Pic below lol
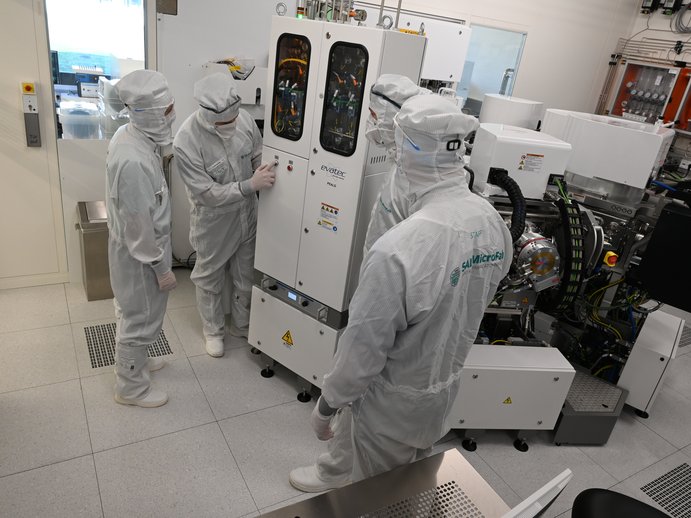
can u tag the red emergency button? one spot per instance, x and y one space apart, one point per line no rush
289 167
611 259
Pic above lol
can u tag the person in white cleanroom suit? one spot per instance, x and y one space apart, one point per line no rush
386 97
139 251
389 92
423 289
218 155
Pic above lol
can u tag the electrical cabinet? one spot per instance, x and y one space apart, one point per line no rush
312 223
646 366
511 388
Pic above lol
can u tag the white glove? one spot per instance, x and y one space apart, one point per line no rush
167 281
263 177
321 424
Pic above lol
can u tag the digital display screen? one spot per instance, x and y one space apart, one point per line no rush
292 296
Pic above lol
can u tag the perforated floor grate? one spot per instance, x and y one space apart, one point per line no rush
443 501
672 491
100 340
685 337
590 394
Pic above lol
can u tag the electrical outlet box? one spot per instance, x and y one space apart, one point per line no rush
684 165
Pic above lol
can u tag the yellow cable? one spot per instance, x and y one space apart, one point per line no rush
602 369
292 60
500 341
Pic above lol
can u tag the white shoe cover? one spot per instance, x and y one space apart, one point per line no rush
154 398
215 346
306 479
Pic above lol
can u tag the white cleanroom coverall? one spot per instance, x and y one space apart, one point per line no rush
389 92
216 163
423 290
139 251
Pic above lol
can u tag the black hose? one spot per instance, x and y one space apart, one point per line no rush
472 176
501 178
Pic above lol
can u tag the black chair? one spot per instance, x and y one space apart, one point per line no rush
603 503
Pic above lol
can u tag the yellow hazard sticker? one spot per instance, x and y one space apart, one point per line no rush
508 401
287 338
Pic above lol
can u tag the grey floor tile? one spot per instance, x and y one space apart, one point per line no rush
111 424
286 503
628 436
41 426
67 489
187 473
632 486
526 472
184 294
670 417
31 308
188 326
234 386
678 377
84 360
36 357
268 444
491 477
82 310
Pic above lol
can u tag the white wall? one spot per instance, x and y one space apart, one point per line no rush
31 226
568 45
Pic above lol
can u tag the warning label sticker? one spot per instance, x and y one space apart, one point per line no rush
508 401
531 163
287 338
329 217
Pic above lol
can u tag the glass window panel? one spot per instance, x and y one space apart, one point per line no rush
93 43
343 98
491 64
290 86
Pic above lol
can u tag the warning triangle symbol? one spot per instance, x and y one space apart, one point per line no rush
508 401
287 338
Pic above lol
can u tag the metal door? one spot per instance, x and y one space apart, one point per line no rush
348 67
292 80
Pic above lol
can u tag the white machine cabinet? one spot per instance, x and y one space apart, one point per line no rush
530 157
511 388
646 366
618 150
311 225
291 337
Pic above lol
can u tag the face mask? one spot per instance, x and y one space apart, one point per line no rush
154 124
424 168
378 134
227 131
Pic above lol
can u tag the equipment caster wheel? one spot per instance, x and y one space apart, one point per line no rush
469 445
521 445
304 397
642 414
267 373
557 444
254 350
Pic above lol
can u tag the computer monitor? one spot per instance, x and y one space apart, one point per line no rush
540 500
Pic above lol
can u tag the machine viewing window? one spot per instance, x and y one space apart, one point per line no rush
343 98
290 86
